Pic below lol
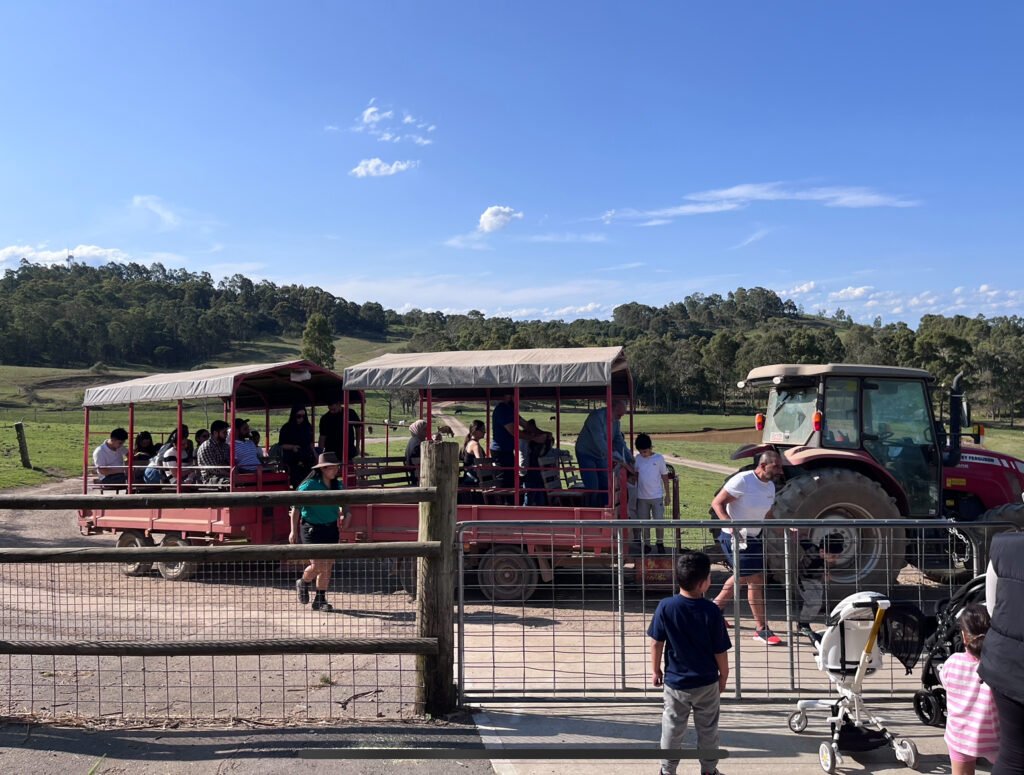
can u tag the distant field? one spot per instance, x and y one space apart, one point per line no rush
1010 442
347 350
706 452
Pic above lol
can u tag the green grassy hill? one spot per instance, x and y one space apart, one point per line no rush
49 402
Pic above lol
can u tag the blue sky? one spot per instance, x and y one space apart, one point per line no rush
528 159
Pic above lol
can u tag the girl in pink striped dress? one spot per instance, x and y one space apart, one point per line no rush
972 726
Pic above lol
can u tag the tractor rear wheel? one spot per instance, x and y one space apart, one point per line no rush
872 557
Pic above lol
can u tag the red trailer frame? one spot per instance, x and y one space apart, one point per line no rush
598 374
241 390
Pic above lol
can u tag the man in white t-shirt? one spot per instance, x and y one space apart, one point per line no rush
749 495
651 492
109 457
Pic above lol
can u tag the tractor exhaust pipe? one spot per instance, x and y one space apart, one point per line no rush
956 409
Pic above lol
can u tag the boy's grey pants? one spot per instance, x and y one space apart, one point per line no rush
704 702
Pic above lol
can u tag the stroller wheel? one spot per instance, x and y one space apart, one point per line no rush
827 758
929 708
797 721
906 752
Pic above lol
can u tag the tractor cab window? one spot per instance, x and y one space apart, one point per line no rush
790 418
841 421
898 433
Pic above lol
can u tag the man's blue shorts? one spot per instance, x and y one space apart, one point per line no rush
751 558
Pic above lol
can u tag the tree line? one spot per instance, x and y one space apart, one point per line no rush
686 355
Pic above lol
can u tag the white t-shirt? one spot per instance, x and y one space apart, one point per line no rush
649 471
754 499
105 457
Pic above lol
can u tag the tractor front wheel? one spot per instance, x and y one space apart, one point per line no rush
872 557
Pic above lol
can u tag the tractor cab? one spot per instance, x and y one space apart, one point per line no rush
880 415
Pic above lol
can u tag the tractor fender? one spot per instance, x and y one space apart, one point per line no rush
811 458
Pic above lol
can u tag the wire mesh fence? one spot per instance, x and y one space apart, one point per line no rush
561 612
64 606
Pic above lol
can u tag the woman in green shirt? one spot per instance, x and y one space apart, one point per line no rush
318 525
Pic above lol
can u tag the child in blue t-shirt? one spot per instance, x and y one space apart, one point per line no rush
690 632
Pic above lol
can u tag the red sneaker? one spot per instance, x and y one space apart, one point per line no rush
767 636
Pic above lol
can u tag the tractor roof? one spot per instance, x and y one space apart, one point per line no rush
783 372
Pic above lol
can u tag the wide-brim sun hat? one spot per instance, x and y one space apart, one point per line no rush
327 459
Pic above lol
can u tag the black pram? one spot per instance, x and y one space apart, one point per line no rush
940 645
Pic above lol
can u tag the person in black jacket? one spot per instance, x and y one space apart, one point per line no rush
296 444
1002 659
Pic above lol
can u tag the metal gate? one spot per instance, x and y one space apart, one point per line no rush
558 610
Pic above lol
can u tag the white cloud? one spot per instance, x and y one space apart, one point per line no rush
40 255
372 115
830 196
376 168
497 217
387 127
849 293
332 128
737 197
579 311
622 267
655 222
472 241
757 236
168 219
801 289
568 238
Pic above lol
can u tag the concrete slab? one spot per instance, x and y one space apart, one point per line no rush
755 734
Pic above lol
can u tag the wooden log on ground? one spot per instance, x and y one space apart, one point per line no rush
436 579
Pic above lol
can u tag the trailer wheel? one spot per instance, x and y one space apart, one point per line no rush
872 557
136 538
507 574
176 571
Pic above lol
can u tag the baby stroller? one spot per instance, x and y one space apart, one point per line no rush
940 645
849 650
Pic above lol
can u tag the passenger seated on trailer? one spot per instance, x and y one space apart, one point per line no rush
247 454
472 452
417 435
503 425
109 458
296 444
201 436
163 467
142 454
533 445
214 455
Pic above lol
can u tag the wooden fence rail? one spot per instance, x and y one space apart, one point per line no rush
434 641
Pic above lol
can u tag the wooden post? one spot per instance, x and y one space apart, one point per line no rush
19 428
436 579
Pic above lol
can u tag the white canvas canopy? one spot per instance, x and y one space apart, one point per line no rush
255 385
547 368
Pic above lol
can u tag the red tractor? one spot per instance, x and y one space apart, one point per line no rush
863 441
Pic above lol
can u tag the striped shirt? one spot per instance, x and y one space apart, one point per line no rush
972 728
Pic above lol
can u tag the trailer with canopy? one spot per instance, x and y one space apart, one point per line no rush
557 385
237 392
